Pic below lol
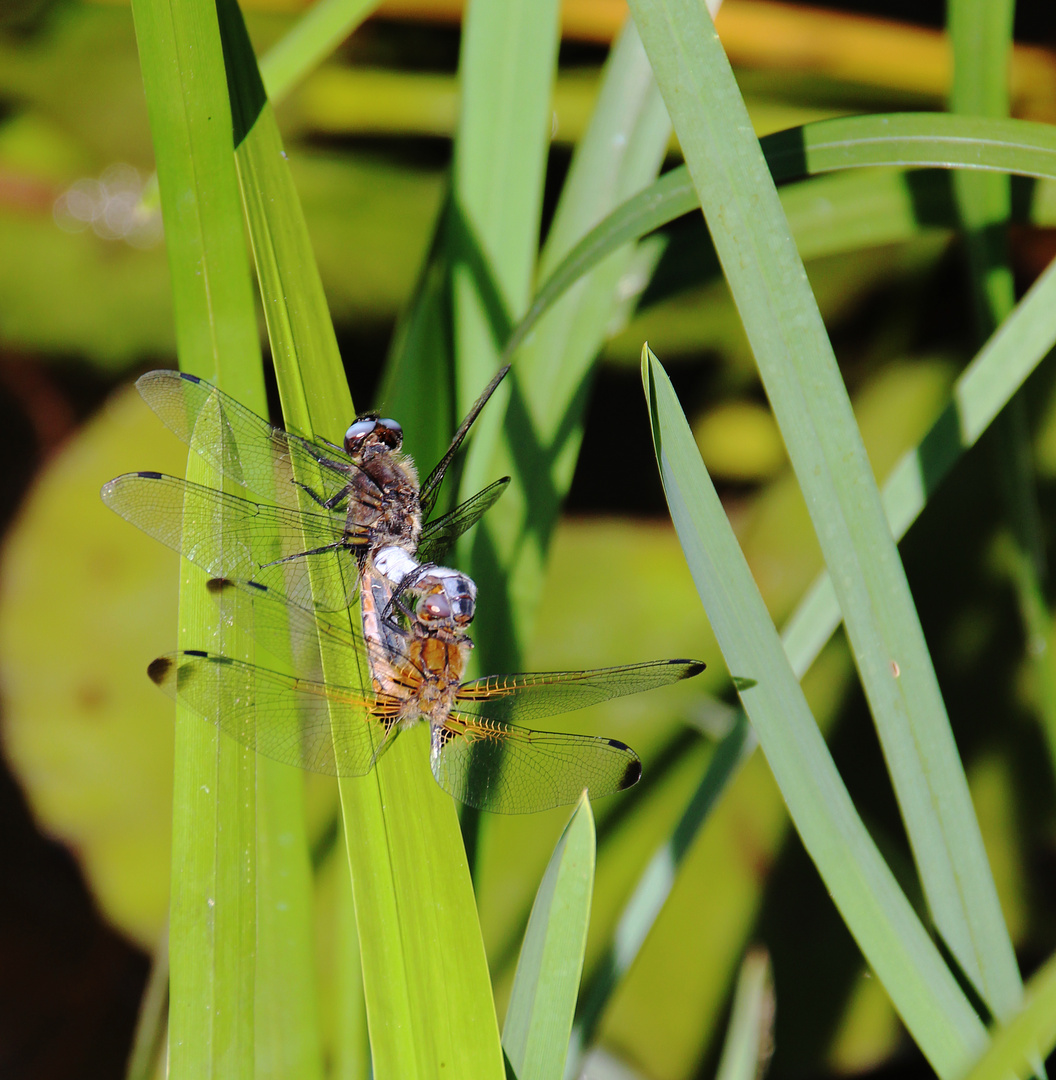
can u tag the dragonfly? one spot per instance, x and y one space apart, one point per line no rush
479 753
364 495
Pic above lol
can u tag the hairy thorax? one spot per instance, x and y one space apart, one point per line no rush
384 502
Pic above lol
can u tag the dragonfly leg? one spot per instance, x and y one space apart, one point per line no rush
337 545
333 503
409 583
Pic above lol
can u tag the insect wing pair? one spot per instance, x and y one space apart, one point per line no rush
288 563
324 501
479 752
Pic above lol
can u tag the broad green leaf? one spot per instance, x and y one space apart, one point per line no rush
890 935
620 153
806 391
546 986
213 905
506 71
426 984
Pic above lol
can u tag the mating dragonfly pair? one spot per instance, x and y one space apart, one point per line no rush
341 523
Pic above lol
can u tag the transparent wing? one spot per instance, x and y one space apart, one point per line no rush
323 728
511 770
440 535
231 537
282 627
244 446
431 488
510 698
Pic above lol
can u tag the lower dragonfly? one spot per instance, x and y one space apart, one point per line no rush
414 672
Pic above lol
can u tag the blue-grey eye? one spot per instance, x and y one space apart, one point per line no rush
389 432
359 431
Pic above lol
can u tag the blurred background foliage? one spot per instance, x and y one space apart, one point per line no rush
86 601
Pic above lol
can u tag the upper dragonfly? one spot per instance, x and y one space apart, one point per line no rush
414 672
365 495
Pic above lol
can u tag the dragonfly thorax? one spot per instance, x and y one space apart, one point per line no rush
383 502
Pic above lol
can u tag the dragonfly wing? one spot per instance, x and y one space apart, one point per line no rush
243 446
286 630
431 488
440 535
320 727
511 770
510 698
231 537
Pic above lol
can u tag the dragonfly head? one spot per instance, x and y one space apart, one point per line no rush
372 432
451 602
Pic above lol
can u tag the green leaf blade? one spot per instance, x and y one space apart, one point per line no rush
806 391
620 153
877 913
546 985
749 1034
425 979
212 1025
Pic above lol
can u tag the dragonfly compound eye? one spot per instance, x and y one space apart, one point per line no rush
464 608
390 433
358 433
435 607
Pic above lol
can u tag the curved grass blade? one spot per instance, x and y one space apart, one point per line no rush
425 976
810 402
144 1058
978 395
908 141
981 35
546 985
890 935
212 1025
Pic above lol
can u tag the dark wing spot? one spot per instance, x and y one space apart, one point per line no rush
632 775
190 378
218 584
159 669
149 475
693 667
195 652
